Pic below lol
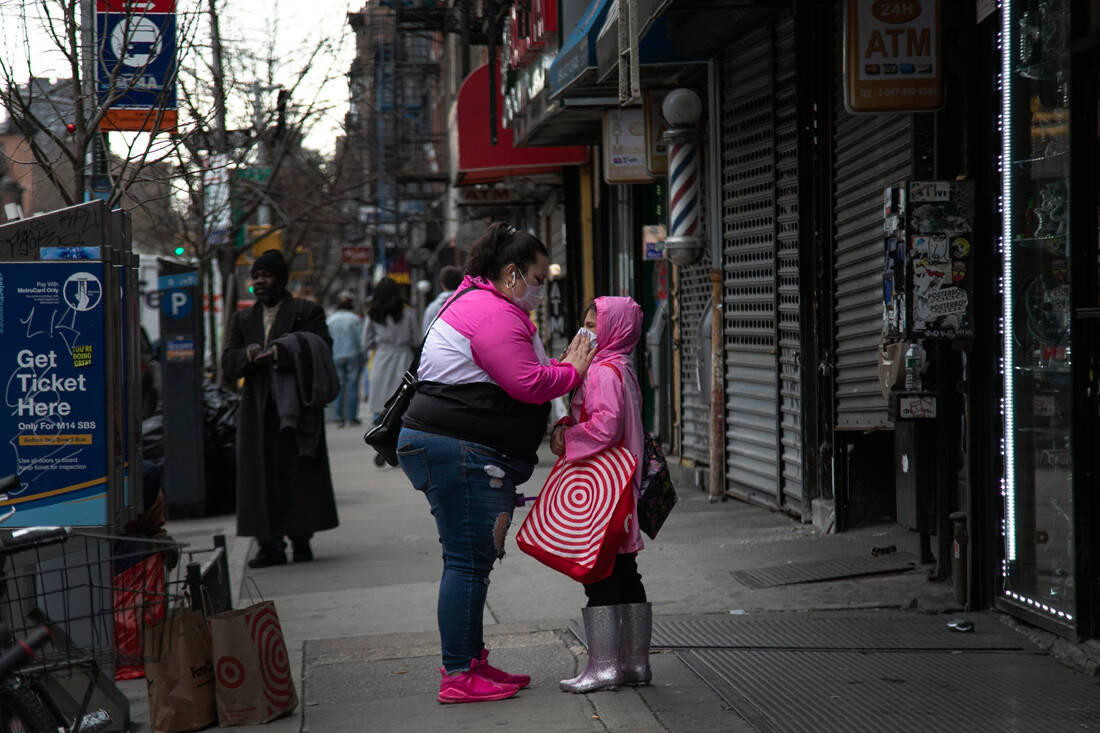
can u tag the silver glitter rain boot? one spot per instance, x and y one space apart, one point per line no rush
634 637
601 629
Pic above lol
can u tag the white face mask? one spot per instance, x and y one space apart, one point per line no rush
532 299
591 335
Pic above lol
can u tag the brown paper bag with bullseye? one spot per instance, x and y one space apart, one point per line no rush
251 666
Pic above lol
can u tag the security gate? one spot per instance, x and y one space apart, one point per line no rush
871 152
694 298
761 268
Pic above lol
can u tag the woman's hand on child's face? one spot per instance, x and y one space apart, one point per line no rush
579 353
570 347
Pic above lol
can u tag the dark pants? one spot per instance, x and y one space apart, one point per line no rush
349 369
624 585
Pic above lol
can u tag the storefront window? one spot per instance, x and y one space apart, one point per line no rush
1038 570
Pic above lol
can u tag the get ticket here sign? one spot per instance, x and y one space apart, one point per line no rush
53 423
892 58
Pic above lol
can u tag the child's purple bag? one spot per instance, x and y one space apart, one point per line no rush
658 493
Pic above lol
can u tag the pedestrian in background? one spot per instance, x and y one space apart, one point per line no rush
284 486
471 435
606 411
391 331
450 277
346 329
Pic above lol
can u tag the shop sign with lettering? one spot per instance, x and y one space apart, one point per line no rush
653 241
624 145
892 57
477 196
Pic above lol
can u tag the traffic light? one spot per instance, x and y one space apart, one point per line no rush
179 251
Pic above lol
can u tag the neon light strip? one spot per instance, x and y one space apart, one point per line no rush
1038 604
1008 362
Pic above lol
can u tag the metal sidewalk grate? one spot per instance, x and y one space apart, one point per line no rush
882 630
899 692
809 572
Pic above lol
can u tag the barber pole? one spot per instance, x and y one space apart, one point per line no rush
681 109
683 188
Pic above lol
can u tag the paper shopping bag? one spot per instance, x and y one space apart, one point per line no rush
180 673
251 666
582 515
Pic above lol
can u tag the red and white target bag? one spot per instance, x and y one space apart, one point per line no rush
582 515
252 682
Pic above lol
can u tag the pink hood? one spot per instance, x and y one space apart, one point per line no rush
618 329
607 408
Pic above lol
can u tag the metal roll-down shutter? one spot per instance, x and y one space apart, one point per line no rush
694 289
870 153
761 268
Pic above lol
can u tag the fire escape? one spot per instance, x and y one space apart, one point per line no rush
398 118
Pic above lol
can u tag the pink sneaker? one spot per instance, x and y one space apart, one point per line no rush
469 686
490 672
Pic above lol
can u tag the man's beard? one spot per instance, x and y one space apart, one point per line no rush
272 296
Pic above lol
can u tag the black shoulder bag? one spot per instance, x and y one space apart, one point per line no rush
383 432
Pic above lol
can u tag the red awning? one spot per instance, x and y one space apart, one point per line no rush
481 162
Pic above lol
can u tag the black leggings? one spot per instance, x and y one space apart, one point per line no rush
624 585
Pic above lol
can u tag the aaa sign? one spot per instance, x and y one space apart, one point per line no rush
892 59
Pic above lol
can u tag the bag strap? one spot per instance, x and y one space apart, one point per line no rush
612 367
584 412
416 361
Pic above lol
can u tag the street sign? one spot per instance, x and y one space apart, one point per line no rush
136 7
136 69
176 303
356 255
256 173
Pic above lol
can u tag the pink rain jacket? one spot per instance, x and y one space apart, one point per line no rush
607 408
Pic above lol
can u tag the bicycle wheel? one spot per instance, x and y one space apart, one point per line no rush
22 709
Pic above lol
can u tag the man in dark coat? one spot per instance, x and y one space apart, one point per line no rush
279 491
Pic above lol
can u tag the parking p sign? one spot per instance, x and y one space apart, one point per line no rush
175 293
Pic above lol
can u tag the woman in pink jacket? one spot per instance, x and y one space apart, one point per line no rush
471 436
606 410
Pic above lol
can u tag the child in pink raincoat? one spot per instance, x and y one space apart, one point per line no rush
606 410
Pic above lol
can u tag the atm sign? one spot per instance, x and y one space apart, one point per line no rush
892 59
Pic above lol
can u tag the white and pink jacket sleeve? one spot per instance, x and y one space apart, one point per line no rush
509 354
486 338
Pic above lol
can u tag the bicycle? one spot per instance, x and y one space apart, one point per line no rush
70 596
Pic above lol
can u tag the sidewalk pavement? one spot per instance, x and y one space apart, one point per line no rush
361 630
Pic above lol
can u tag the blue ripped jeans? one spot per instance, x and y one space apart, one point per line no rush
471 490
